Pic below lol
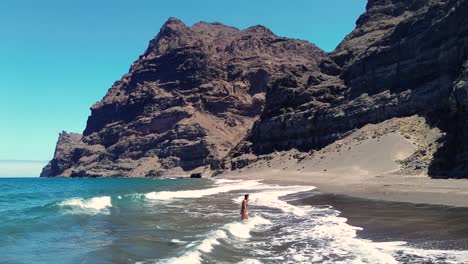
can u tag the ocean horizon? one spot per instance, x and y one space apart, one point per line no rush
21 168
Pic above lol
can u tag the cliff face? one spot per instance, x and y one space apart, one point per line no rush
185 103
403 58
205 97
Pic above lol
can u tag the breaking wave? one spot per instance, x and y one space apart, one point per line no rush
222 187
93 205
306 234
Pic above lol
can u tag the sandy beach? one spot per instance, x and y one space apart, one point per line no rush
364 177
421 225
396 188
369 163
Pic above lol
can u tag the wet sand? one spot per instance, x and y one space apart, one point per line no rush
364 176
421 225
369 164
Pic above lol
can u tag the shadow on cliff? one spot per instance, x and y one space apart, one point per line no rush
450 158
449 161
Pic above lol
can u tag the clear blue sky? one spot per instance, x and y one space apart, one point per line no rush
58 57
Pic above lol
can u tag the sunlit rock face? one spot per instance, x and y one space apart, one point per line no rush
185 103
403 58
212 97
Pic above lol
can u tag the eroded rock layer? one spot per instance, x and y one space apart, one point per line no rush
185 103
403 58
210 97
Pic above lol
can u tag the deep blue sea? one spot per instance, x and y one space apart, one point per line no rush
182 221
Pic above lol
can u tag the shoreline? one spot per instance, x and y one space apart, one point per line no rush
387 161
388 188
414 189
425 213
434 224
422 226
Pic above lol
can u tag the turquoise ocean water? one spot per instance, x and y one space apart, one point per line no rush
182 221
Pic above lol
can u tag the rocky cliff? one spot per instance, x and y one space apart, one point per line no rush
404 58
211 97
185 103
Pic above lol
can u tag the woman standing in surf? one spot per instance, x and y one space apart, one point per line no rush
244 213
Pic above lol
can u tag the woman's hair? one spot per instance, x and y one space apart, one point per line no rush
246 196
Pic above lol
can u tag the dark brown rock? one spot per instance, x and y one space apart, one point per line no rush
403 58
200 98
185 103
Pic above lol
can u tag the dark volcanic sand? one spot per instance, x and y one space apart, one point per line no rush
424 226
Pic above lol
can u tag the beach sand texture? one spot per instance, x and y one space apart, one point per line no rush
386 161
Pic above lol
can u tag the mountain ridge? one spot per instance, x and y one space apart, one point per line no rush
183 105
209 97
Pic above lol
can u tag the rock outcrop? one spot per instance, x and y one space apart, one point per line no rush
211 97
404 58
185 103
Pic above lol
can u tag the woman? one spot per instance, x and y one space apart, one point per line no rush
244 213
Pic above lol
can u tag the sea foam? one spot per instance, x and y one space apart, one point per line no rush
317 224
428 255
242 229
206 246
86 206
222 186
212 239
269 196
250 261
313 235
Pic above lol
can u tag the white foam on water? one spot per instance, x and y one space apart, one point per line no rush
312 235
324 238
205 246
221 188
341 239
87 206
242 229
271 198
177 241
338 238
335 238
250 261
237 229
221 181
192 257
298 257
429 255
208 244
